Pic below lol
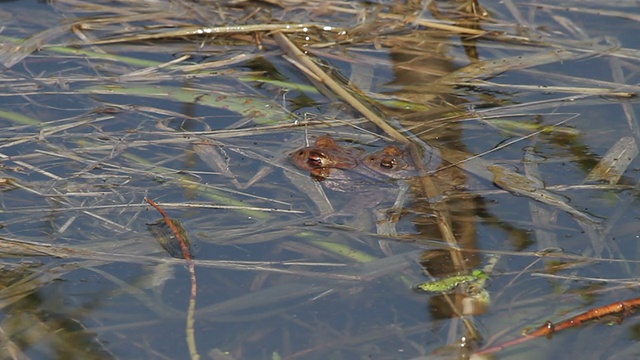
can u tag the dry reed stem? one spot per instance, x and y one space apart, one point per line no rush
429 188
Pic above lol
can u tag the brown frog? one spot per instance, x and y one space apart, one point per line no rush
324 155
327 154
391 162
363 177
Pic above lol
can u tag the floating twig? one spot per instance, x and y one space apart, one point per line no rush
622 308
191 339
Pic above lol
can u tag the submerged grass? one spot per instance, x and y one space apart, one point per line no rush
516 140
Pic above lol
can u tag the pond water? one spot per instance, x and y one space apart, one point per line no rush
521 121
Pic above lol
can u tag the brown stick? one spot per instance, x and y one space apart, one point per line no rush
192 272
429 188
624 307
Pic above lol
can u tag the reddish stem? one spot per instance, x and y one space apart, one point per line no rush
624 307
174 229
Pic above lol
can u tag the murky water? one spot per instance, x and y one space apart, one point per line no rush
290 266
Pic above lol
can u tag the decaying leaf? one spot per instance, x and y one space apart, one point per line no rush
615 162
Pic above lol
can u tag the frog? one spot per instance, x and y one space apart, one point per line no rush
324 155
370 180
391 162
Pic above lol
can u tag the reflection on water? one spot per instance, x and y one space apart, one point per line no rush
414 74
39 323
301 266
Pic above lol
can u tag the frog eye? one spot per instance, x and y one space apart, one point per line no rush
388 162
315 159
